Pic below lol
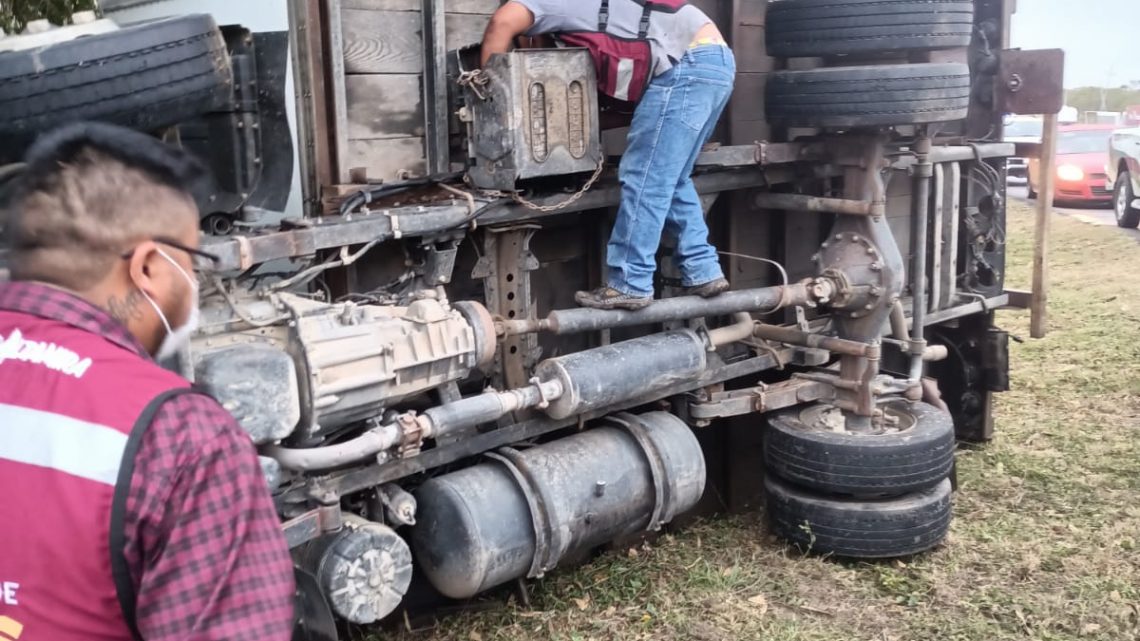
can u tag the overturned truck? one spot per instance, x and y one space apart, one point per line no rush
393 322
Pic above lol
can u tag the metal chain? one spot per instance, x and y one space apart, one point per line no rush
520 199
476 80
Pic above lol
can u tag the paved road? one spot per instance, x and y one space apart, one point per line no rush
1092 214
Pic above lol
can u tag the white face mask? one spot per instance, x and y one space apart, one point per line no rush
178 337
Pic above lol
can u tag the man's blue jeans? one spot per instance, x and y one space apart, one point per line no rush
672 122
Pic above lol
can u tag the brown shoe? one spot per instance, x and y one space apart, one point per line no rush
610 298
707 290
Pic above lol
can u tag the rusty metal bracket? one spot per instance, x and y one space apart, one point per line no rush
505 271
312 524
759 399
1031 82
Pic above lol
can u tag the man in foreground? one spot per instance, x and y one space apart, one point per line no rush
681 78
134 507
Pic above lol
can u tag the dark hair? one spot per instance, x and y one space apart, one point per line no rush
88 191
162 163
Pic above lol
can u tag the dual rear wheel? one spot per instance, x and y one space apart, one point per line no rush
874 95
876 495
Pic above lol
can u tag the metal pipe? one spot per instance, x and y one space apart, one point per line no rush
807 339
737 331
609 375
575 321
961 153
484 408
898 323
804 202
924 169
368 444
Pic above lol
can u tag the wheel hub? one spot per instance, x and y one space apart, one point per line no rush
889 418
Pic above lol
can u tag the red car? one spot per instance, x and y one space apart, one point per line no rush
1082 154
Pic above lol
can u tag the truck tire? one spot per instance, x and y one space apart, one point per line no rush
800 449
859 529
144 76
806 28
869 96
1127 216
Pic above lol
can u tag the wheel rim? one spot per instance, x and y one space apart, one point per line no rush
1121 201
824 417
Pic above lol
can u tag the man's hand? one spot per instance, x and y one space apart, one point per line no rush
510 20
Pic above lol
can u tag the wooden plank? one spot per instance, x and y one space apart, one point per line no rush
384 159
484 7
382 41
479 7
384 106
464 29
391 42
382 5
745 132
748 97
749 12
1038 307
313 133
748 45
336 74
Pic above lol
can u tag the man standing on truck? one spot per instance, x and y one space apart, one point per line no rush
133 507
669 58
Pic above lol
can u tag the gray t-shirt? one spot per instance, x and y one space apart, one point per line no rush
669 33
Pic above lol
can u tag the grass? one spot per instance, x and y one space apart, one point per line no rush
1045 543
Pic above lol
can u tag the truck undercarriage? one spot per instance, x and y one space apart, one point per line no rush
428 400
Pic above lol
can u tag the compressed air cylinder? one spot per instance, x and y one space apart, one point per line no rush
521 512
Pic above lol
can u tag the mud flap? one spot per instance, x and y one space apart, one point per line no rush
312 617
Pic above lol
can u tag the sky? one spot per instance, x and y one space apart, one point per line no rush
1100 37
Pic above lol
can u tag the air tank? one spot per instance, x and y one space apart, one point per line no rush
522 511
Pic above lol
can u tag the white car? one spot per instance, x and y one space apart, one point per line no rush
1021 129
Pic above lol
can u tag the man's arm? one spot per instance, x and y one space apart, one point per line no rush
203 540
510 20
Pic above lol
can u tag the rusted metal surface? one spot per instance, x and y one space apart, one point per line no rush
962 153
311 235
978 305
505 269
1018 299
803 202
359 479
538 118
763 299
314 137
792 336
762 398
312 524
732 156
1031 82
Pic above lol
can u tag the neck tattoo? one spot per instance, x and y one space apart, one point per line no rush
125 309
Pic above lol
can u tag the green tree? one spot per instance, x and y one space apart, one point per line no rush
1089 98
14 14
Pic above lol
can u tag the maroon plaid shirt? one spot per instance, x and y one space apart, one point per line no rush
203 541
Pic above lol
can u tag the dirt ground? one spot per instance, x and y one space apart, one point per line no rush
1045 539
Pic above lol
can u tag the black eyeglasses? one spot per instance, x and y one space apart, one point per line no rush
203 260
